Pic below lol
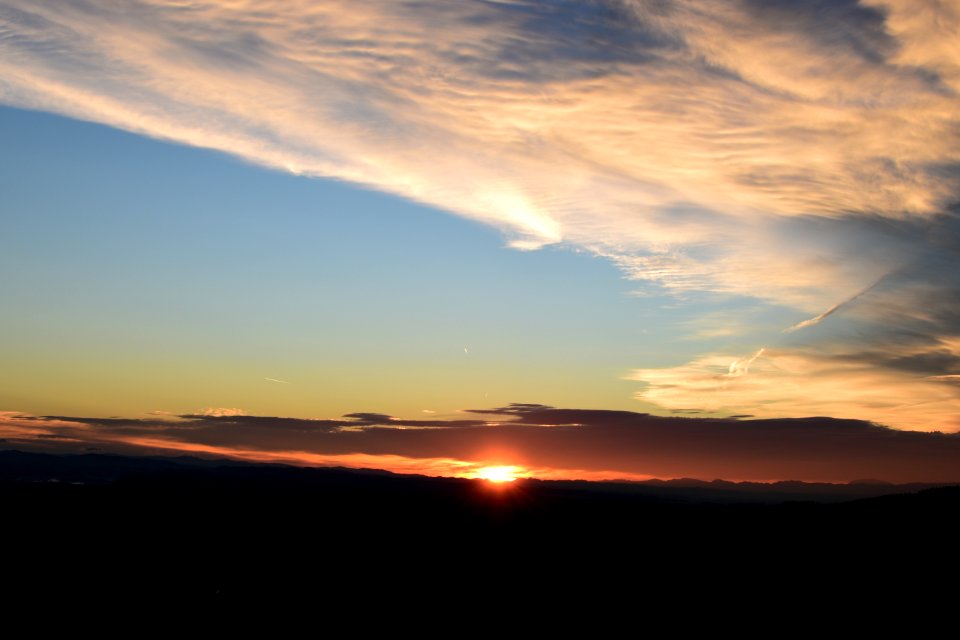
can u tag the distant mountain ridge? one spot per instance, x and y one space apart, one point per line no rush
182 527
102 468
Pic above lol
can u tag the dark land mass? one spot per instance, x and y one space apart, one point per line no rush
181 527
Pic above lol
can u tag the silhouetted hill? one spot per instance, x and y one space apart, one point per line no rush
97 468
196 527
26 466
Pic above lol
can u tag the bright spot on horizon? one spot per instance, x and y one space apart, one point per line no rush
499 474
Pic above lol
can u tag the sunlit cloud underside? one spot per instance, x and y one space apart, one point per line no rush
523 441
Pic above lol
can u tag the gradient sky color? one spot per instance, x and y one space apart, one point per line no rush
421 208
144 276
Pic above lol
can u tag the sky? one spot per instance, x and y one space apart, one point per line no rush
684 218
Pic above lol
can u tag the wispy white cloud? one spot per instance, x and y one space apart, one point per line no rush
628 124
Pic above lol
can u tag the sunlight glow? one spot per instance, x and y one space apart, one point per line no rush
499 474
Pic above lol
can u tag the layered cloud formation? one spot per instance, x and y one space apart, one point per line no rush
794 152
533 439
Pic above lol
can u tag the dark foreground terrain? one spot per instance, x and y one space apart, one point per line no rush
185 527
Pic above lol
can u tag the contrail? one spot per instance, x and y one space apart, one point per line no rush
952 377
275 380
740 367
829 312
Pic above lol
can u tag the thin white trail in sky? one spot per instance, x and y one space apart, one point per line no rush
741 367
809 322
275 380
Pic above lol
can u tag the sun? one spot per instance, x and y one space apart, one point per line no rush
500 474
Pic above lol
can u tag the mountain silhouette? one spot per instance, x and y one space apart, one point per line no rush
220 529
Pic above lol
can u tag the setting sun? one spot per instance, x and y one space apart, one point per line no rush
499 474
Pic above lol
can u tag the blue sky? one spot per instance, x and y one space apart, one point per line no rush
132 264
